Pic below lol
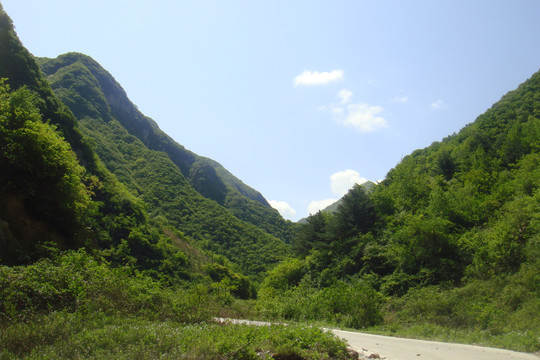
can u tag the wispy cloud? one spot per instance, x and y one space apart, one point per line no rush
345 96
400 99
317 78
364 117
439 104
342 181
284 208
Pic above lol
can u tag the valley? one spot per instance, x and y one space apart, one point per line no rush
118 242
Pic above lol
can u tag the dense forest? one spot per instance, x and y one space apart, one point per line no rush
112 234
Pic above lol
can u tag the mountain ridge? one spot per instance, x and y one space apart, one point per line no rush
122 211
205 175
139 125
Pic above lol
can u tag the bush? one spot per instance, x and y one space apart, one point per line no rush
77 281
354 305
99 336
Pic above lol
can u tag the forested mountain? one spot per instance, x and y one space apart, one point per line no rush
463 207
92 93
163 173
134 180
94 257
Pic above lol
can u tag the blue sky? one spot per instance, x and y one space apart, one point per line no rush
299 99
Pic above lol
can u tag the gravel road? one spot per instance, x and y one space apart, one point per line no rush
393 348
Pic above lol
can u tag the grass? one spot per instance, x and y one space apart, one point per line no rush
61 335
524 341
77 307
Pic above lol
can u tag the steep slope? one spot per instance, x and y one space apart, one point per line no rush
106 99
48 193
131 146
54 190
29 205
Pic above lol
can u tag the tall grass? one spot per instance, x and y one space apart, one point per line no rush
100 336
77 307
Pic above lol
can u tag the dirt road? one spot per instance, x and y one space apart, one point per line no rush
393 348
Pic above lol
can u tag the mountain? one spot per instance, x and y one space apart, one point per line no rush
134 182
163 173
104 218
90 91
451 238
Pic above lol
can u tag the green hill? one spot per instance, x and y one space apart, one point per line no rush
91 92
451 238
332 208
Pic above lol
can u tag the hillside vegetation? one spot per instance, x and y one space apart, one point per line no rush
193 194
450 240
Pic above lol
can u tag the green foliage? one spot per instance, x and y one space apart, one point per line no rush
313 235
451 236
354 215
353 304
230 281
90 91
38 165
79 336
285 275
76 281
77 306
503 309
462 208
161 173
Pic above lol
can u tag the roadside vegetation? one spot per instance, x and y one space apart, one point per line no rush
76 306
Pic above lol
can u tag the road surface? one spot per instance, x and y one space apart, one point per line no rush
393 348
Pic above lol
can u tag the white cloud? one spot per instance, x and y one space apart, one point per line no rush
336 110
400 99
363 117
345 96
317 205
342 181
317 78
439 104
284 209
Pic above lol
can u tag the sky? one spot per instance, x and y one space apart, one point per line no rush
299 99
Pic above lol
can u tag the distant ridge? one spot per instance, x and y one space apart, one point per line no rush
332 208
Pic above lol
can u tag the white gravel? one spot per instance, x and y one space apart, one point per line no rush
393 348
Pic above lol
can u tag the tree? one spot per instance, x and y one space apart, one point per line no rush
39 167
355 214
313 234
